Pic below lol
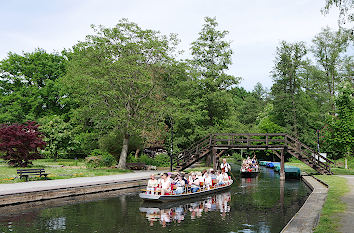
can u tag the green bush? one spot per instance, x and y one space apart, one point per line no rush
131 158
108 160
162 160
237 156
100 158
146 159
93 161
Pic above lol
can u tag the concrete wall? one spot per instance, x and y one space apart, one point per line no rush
306 219
11 199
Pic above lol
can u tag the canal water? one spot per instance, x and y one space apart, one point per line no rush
262 204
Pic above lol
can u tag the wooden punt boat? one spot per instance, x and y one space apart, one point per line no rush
247 173
176 197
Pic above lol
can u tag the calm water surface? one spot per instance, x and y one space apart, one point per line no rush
261 204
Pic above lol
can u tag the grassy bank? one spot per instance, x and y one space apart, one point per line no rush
329 220
337 168
60 169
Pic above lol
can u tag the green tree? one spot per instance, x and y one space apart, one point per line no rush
28 86
289 110
58 136
211 58
116 74
345 7
252 104
341 138
265 123
329 51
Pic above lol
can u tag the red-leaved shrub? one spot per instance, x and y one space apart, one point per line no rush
20 143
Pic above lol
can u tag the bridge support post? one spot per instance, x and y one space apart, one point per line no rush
214 158
281 199
282 170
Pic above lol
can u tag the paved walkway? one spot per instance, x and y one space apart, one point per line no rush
348 216
33 186
307 217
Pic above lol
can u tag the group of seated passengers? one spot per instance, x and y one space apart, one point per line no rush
250 164
196 181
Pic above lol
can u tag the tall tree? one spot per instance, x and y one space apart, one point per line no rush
287 75
329 49
341 138
346 10
211 57
29 87
116 74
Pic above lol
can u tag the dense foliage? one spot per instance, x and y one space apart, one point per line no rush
122 90
20 143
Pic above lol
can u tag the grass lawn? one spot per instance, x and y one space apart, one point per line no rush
329 220
60 169
337 168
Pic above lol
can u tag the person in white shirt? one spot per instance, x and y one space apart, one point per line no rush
165 184
219 178
225 177
225 166
207 180
190 178
180 185
152 184
170 177
200 178
194 183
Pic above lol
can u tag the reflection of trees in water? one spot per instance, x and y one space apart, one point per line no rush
166 214
26 218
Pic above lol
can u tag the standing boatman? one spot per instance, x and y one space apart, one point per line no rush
225 166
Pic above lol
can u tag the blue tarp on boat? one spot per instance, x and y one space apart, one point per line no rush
263 163
290 171
272 164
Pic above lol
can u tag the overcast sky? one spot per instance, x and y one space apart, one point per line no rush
256 26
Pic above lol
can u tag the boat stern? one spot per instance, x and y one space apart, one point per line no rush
149 197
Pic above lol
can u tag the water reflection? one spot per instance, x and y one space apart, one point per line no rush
165 213
261 204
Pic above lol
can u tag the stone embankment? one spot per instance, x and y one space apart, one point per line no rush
306 219
50 189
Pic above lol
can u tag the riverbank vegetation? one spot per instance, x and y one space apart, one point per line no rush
59 169
338 168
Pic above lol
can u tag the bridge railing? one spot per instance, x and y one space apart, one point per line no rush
306 151
275 141
193 151
248 140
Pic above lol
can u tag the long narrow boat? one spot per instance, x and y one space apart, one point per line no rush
175 197
246 173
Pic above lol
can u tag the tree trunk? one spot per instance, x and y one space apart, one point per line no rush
55 156
208 160
124 153
137 153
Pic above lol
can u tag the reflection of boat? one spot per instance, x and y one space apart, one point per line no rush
177 211
175 197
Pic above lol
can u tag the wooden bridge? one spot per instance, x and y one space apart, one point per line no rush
216 144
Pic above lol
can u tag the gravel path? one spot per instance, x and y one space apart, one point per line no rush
348 216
